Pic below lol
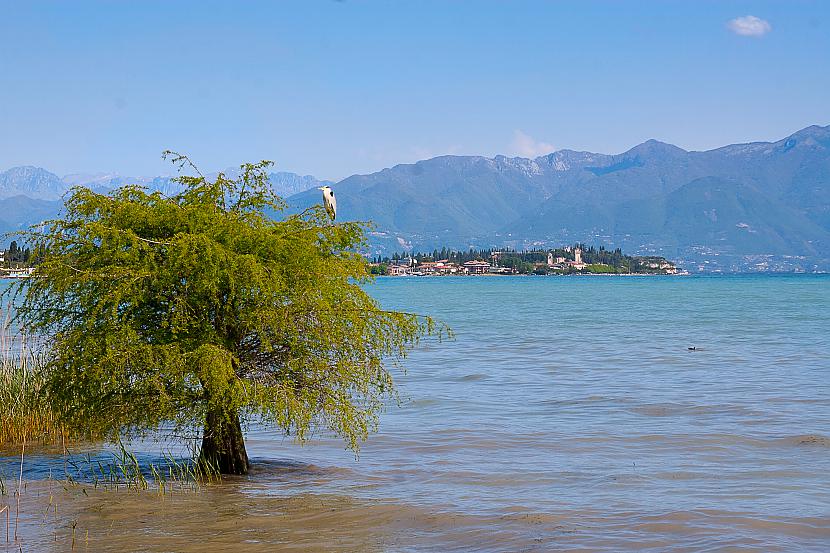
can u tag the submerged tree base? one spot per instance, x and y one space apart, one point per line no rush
223 445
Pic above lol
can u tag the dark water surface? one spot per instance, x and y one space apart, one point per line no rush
567 414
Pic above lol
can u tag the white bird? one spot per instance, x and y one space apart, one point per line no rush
329 202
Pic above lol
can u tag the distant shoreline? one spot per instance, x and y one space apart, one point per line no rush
680 274
497 275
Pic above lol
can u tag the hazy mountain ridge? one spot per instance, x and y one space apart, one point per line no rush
32 182
19 212
29 195
38 183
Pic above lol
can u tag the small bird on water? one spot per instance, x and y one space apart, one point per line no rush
693 348
329 202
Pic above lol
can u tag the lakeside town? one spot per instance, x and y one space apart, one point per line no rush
577 259
17 262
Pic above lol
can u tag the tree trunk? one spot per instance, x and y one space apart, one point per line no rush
223 445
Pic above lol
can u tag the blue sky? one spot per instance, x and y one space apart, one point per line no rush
334 88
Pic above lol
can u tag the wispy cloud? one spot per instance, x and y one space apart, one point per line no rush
749 25
526 146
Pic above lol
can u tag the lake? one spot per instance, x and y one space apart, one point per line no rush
567 413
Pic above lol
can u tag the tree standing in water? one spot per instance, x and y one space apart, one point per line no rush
199 310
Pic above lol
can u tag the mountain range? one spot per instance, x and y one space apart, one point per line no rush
756 206
29 195
40 184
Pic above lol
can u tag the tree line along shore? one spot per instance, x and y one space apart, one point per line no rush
575 259
16 261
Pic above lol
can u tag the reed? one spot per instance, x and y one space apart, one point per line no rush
24 408
124 472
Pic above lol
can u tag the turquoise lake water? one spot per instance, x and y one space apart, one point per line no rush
569 413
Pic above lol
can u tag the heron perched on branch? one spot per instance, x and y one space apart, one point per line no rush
329 202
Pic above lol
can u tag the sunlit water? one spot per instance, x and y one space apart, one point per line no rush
567 413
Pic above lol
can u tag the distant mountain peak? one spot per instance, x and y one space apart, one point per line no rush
31 181
656 147
28 170
565 160
813 131
811 136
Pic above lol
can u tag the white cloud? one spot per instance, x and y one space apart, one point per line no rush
749 25
524 145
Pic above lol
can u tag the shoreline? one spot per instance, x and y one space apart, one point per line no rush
490 275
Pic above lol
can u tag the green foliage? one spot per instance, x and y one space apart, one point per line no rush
16 256
516 262
162 309
379 269
599 268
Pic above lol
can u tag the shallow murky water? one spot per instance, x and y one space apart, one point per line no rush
567 414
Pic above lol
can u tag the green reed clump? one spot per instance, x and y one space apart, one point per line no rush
24 407
124 472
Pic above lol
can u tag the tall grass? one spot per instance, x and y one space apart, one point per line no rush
124 471
24 408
